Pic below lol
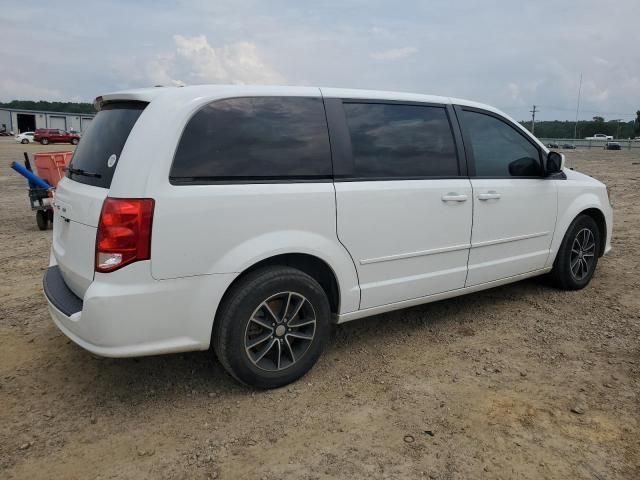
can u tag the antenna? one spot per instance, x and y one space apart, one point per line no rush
575 128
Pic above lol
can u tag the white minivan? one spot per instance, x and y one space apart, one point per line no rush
253 218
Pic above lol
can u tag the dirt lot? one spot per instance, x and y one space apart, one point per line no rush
522 381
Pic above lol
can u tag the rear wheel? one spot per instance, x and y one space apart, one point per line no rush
578 255
271 327
44 141
24 140
42 219
74 141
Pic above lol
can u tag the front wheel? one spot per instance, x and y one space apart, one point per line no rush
578 254
271 327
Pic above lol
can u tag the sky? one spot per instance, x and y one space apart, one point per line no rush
510 54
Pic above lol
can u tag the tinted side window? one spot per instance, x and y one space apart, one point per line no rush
499 150
390 140
254 138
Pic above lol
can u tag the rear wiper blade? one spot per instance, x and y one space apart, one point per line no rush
84 173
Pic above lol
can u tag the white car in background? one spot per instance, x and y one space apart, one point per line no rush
25 137
252 218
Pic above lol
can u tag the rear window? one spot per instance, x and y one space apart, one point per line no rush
255 139
97 154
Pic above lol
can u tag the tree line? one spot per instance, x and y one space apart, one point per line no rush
586 128
65 107
543 129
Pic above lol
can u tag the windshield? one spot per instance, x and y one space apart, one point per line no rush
97 154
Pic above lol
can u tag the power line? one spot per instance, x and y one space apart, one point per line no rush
620 114
564 109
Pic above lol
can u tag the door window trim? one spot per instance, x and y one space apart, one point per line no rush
466 140
340 138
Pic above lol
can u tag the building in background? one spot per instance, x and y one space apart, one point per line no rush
18 121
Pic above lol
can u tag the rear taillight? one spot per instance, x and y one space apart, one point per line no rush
124 232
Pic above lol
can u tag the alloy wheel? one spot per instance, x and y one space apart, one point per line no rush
280 331
583 252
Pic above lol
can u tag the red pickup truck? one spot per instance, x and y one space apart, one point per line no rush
52 135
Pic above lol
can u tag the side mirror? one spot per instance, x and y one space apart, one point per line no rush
555 163
525 167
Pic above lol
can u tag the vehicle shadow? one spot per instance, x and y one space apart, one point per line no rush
138 382
448 313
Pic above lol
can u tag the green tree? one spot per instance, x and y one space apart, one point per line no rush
598 119
636 128
586 128
67 107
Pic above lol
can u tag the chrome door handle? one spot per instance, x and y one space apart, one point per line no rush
492 195
454 197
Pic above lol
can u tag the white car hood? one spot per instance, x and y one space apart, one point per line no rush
581 177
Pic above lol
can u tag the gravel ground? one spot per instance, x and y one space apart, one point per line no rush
522 381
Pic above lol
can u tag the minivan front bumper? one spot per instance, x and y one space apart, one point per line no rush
129 314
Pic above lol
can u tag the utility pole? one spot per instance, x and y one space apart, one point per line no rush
575 128
533 119
618 129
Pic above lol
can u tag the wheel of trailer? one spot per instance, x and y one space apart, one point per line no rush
42 219
74 141
272 326
44 141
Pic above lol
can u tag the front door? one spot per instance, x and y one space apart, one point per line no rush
514 206
404 210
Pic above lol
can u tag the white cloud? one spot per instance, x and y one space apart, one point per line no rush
595 93
394 53
12 89
158 70
440 47
196 61
514 91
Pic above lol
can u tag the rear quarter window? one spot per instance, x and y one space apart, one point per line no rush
254 139
105 137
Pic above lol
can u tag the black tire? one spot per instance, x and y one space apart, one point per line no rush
44 141
244 302
42 219
74 141
24 140
563 275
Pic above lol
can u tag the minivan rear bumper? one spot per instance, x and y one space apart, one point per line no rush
128 314
59 294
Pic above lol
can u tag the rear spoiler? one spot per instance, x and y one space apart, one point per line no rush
144 95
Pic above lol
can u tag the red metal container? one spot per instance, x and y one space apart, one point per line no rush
50 165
